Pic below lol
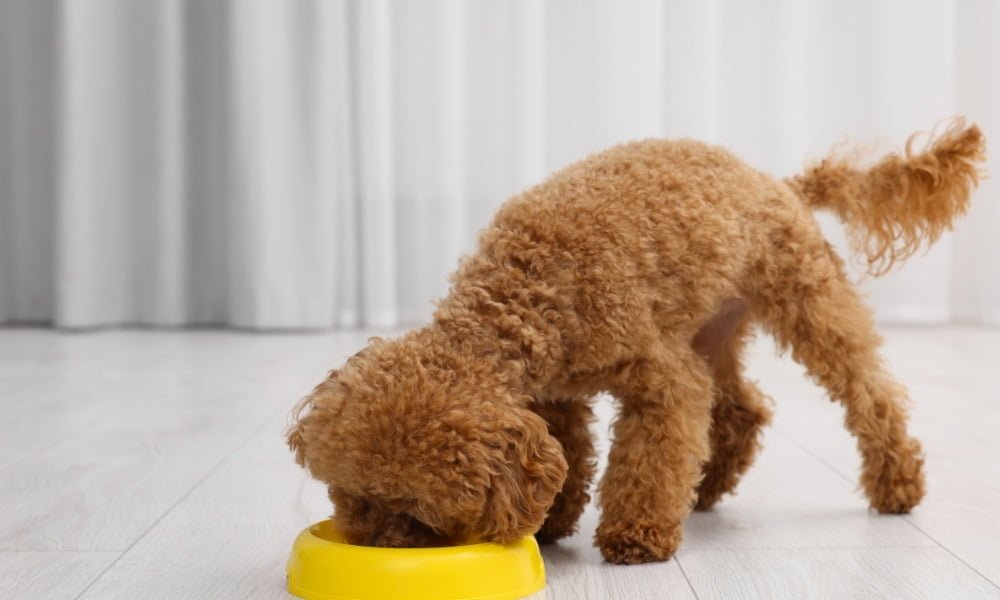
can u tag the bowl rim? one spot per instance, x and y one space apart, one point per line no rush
311 532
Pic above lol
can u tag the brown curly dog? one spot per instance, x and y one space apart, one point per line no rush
638 271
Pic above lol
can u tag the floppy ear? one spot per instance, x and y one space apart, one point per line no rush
302 414
527 469
295 433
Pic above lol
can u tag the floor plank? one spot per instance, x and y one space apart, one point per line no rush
131 426
235 531
166 450
43 575
825 573
985 559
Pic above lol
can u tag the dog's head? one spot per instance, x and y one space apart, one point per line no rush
418 456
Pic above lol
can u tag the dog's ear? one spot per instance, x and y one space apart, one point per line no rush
302 414
296 431
526 469
296 441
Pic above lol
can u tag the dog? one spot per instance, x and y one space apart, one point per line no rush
639 272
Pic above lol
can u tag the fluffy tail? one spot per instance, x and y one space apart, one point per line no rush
892 207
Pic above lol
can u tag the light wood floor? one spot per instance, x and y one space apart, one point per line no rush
152 465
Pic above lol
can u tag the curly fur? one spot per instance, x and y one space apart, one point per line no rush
739 411
893 207
638 271
569 422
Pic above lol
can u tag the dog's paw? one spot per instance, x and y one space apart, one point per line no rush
636 543
562 518
710 492
544 537
899 486
555 530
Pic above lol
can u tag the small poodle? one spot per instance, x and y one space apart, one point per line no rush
640 272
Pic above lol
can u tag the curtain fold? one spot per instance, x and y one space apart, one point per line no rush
324 163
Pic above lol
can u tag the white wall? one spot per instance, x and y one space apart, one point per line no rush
324 162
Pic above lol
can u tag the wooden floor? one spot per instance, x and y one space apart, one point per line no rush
152 465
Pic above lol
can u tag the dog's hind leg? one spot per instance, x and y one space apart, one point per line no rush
569 422
739 412
804 298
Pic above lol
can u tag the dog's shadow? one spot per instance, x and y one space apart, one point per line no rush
559 555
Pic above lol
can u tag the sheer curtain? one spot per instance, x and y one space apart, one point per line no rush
323 163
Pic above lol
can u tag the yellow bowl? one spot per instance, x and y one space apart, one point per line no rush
325 567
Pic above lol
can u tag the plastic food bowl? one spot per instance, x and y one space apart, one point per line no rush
323 566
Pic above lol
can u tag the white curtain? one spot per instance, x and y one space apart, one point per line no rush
319 163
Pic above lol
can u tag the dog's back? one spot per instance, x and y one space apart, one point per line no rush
642 239
650 237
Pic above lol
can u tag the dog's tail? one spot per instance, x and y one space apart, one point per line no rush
892 207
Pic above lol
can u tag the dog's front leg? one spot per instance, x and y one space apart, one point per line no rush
569 422
660 444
